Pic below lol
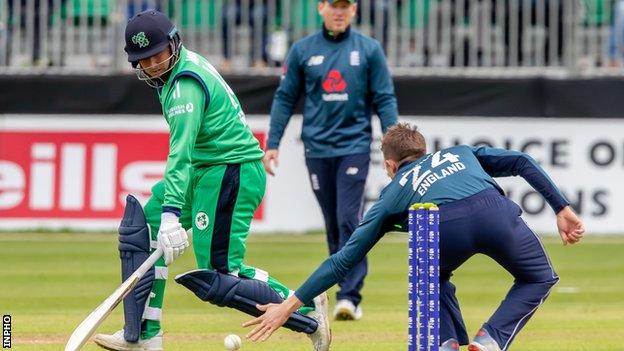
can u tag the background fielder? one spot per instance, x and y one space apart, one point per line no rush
344 78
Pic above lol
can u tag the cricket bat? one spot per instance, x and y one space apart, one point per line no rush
83 332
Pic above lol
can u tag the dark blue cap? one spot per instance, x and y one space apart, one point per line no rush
147 34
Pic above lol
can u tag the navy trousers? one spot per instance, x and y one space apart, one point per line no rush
490 224
338 184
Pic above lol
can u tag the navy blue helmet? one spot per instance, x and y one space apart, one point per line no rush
147 34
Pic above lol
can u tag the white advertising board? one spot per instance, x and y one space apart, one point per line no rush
74 171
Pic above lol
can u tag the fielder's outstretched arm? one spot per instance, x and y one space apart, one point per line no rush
504 163
367 234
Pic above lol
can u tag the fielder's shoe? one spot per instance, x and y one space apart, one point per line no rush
116 342
345 310
450 345
321 338
483 342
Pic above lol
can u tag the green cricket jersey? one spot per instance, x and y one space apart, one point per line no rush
206 124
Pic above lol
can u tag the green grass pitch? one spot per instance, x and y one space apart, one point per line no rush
51 281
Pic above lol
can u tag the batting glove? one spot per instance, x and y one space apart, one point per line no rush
172 238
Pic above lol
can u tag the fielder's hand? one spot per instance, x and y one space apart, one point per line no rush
172 237
270 160
570 226
275 315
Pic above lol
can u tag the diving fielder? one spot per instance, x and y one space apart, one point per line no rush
214 181
475 217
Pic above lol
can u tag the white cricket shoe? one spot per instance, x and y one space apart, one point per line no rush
450 345
321 338
483 342
345 310
116 342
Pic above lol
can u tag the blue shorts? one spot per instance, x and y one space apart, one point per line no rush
489 223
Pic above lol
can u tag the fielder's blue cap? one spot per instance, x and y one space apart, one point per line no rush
147 34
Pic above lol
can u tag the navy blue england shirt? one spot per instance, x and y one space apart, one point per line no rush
345 79
443 177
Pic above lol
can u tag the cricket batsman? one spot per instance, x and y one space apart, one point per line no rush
475 217
213 183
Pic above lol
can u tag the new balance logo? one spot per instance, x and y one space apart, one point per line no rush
352 171
316 60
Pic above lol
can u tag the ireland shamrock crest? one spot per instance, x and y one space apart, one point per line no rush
140 39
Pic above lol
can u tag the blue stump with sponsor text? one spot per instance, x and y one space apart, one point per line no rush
424 278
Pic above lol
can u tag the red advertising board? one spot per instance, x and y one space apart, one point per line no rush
78 174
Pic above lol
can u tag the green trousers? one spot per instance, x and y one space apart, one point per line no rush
220 204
